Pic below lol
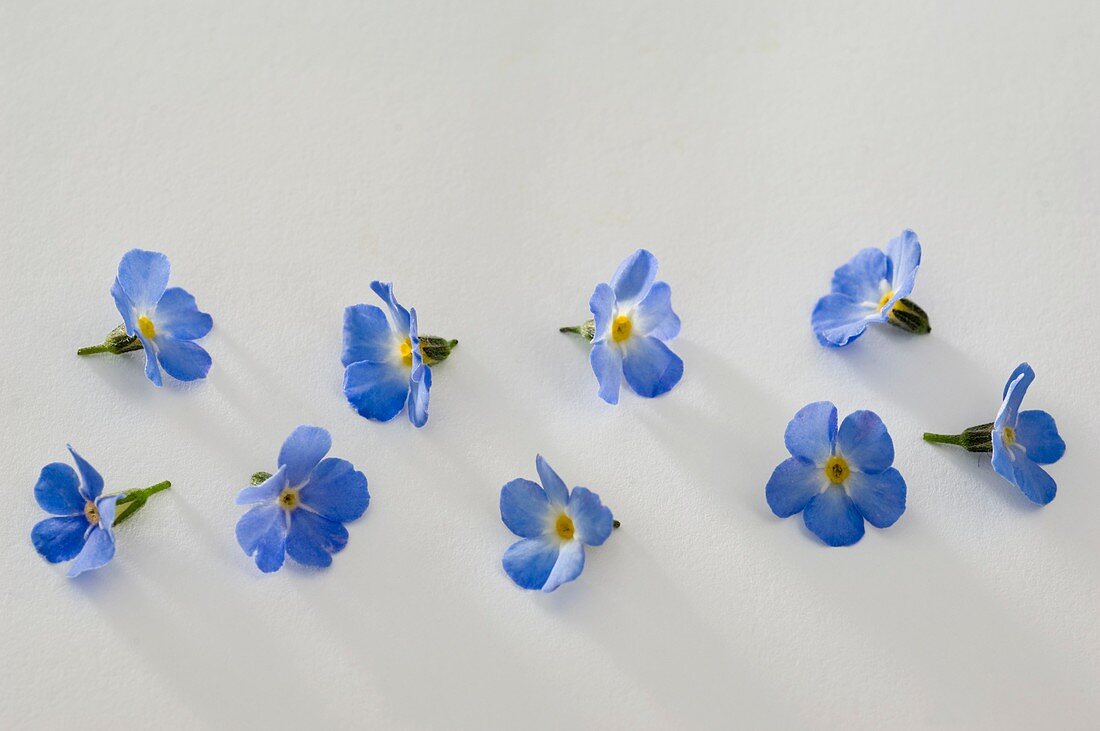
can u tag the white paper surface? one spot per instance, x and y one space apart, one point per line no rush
496 161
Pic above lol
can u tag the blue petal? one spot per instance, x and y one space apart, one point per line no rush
838 319
634 277
864 442
881 497
833 517
556 491
1033 480
862 278
106 507
152 363
524 508
302 450
125 307
143 275
261 532
419 386
97 551
313 538
58 490
1014 392
811 434
530 561
91 484
399 314
367 336
177 315
376 390
266 491
602 305
903 252
336 490
792 486
593 521
182 359
1038 434
607 364
650 367
569 565
59 539
654 315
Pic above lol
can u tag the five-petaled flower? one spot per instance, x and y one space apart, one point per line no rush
632 318
870 288
303 506
388 366
555 526
161 320
837 478
1020 441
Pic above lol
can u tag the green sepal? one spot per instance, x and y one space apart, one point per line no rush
909 316
259 478
435 350
134 500
587 330
974 439
117 341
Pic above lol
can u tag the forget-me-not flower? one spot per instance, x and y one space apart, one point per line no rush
632 319
554 524
1020 441
388 365
162 320
837 478
872 287
85 517
303 506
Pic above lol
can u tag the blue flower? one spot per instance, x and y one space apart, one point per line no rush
385 368
1023 440
82 529
163 320
632 318
870 288
555 526
837 479
303 506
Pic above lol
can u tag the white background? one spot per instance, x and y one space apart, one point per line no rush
496 162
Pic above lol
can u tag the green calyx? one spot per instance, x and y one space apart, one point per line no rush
975 439
587 330
134 500
908 316
259 478
117 341
435 350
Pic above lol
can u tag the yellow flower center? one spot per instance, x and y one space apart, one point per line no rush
1008 436
620 328
146 327
836 469
564 527
405 349
885 299
91 512
288 498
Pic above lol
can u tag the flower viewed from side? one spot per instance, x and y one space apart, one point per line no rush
1020 441
837 478
387 365
162 320
301 509
632 319
554 524
82 528
871 288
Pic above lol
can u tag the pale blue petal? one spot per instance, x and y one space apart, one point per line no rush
864 442
1033 480
152 363
650 367
143 275
634 277
419 386
654 315
178 315
302 450
1014 393
862 278
880 498
602 305
524 508
607 364
60 539
367 336
336 490
811 434
313 539
530 561
591 519
1038 434
97 551
182 359
903 252
106 507
58 490
834 518
838 319
793 484
91 484
266 491
398 313
125 307
261 532
377 390
556 491
569 565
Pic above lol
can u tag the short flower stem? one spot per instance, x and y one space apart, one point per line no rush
956 439
134 500
586 330
93 349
